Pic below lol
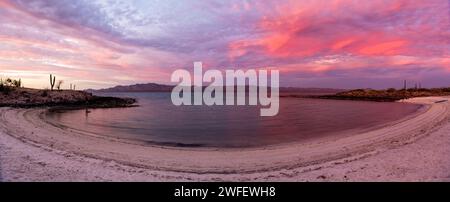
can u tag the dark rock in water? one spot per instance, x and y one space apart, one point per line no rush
105 102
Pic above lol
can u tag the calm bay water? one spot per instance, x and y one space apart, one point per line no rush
158 121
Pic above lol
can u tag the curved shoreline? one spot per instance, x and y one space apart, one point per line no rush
26 126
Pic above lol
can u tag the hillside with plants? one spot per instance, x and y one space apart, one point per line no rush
388 95
13 94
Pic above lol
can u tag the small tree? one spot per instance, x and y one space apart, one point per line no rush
17 83
58 86
5 85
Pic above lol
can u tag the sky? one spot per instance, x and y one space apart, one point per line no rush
314 43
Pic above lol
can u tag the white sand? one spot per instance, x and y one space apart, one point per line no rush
415 149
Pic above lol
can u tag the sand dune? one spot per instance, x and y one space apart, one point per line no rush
35 150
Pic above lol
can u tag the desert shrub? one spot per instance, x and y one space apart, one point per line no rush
17 83
391 90
59 84
5 86
5 89
357 91
2 87
8 85
44 93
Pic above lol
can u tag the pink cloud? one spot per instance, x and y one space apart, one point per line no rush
324 39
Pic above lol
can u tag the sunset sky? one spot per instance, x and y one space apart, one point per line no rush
314 43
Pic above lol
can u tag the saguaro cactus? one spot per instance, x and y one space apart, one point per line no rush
52 81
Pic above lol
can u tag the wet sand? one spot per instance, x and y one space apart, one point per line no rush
415 149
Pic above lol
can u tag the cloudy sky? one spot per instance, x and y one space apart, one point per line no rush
314 43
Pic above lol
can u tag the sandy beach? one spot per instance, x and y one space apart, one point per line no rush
413 149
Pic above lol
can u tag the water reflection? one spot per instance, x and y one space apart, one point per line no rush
158 121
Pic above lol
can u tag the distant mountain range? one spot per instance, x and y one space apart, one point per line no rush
148 87
153 87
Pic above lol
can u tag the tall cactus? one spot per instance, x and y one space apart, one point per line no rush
52 81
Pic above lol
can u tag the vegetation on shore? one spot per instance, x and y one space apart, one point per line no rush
388 95
26 97
8 84
13 94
